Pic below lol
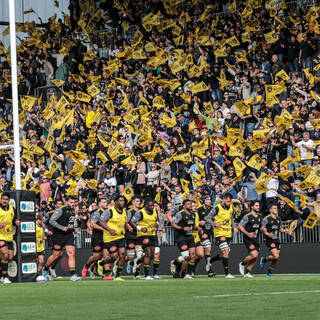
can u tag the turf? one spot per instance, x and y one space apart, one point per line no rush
281 297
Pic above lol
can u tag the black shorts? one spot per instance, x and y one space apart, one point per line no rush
251 244
113 246
207 235
97 242
185 243
198 244
131 243
148 241
220 240
60 240
50 242
41 253
273 244
8 244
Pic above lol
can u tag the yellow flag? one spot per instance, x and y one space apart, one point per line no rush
76 155
245 37
131 160
114 120
311 221
36 187
271 37
199 87
208 108
149 156
185 158
304 170
284 174
196 179
314 176
92 183
93 91
168 121
247 12
102 157
239 166
57 82
283 75
128 193
309 76
233 41
184 184
109 106
3 124
232 7
77 170
81 96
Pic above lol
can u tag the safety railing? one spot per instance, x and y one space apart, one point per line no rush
167 238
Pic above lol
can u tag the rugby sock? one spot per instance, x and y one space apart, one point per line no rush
46 267
155 267
102 263
270 269
39 273
146 270
53 266
207 257
195 265
183 274
225 263
87 266
119 270
4 267
72 271
215 258
190 267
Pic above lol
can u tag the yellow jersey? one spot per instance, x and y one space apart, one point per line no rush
223 217
39 238
148 221
6 217
117 223
195 233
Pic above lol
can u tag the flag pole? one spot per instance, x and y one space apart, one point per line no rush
15 105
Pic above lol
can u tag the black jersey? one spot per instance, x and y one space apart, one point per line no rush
184 219
273 225
63 217
131 234
203 212
251 223
95 216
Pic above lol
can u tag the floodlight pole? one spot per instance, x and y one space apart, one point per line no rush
14 84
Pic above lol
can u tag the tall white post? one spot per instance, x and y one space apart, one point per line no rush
15 102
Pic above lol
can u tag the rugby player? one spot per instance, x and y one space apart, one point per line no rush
184 223
114 223
49 232
96 237
207 233
250 226
271 228
7 221
145 222
64 223
197 233
40 236
133 246
220 218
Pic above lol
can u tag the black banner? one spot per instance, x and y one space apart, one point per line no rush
23 268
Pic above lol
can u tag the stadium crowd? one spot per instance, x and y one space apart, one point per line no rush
164 99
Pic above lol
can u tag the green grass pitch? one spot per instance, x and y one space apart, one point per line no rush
280 297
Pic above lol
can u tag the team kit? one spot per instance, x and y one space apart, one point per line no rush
125 236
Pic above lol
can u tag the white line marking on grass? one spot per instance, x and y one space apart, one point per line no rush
256 294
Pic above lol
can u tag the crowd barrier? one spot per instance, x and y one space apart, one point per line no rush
305 235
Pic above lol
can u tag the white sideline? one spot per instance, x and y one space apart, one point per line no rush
256 294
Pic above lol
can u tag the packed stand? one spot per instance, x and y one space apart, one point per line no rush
166 99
